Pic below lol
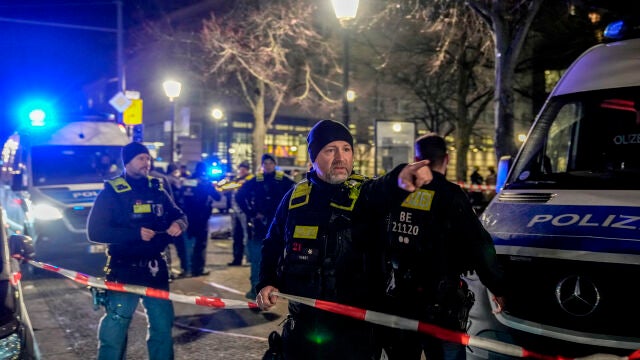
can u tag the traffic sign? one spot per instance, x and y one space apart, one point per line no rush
133 114
120 101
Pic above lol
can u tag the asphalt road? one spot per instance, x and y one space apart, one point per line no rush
65 322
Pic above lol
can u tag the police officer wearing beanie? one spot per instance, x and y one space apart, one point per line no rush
315 249
136 218
258 198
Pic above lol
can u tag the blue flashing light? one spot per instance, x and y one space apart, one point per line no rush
38 111
37 117
615 30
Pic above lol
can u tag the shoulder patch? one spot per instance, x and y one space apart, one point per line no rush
119 184
300 194
420 199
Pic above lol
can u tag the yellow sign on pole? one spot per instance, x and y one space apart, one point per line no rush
133 114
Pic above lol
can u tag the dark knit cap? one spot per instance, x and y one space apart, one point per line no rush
324 132
244 164
268 157
132 150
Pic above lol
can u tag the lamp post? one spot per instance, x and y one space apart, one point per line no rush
346 11
218 114
172 89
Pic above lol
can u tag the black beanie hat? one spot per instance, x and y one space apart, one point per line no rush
132 150
324 132
268 157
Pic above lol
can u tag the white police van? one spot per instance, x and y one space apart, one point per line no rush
566 220
50 177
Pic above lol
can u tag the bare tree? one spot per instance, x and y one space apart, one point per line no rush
509 21
444 64
270 54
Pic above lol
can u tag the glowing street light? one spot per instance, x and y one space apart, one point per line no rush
172 89
346 11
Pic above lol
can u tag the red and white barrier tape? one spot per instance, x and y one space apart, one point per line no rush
436 331
374 317
476 187
88 280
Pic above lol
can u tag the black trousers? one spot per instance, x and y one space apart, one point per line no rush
322 335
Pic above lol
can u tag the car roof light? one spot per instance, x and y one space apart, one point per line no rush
615 30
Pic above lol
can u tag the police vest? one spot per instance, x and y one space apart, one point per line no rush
146 209
279 175
420 245
319 260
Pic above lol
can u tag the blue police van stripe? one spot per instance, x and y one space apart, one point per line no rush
613 229
68 196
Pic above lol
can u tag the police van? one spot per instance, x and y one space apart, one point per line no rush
566 219
50 176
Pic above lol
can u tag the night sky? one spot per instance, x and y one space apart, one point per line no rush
40 61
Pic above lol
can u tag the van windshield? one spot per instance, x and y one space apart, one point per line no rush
589 139
72 164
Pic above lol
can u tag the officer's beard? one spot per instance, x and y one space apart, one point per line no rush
338 177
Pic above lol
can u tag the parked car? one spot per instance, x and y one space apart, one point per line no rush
17 340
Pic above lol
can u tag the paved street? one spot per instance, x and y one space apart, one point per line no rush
65 322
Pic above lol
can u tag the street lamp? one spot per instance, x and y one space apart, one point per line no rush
346 11
172 89
218 114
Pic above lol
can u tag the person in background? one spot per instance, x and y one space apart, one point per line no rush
184 172
430 240
173 176
197 195
239 219
136 218
258 198
475 195
315 248
491 180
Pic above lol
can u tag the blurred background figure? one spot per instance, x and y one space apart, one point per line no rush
259 198
197 195
239 218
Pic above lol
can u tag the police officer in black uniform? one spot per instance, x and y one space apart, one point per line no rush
431 239
136 218
258 198
197 195
311 251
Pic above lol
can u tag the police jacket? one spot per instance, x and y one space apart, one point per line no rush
314 249
121 209
262 194
434 236
197 195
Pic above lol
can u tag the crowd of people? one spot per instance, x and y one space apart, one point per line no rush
397 244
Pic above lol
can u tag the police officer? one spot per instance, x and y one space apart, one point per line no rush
432 238
197 195
239 218
311 250
258 198
136 218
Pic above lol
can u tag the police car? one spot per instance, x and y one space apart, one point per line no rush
566 219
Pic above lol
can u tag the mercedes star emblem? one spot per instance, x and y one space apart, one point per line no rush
577 296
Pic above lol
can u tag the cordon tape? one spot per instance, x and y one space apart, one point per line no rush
370 316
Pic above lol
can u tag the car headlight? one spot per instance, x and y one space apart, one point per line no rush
46 212
10 347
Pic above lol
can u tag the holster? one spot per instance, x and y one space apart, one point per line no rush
99 297
454 302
